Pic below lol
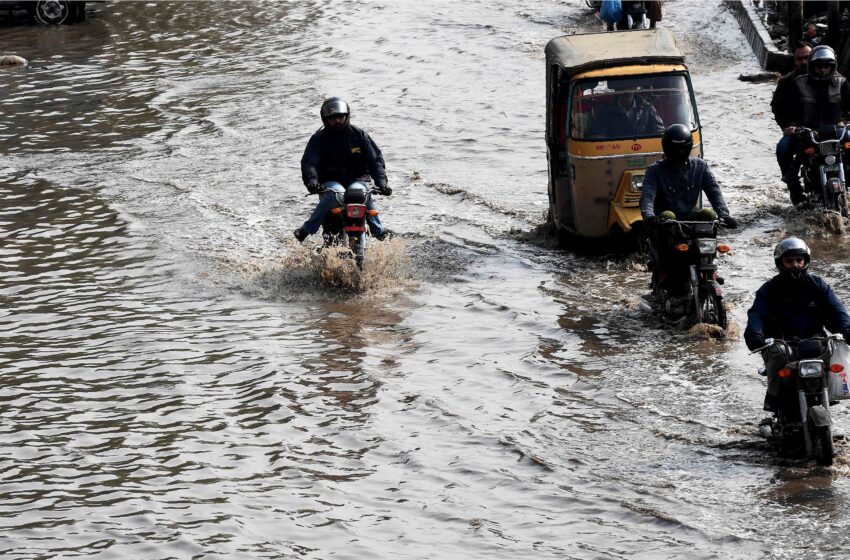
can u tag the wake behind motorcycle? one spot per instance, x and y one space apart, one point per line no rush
686 287
802 384
822 154
345 225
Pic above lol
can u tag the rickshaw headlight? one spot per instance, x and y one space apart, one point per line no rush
637 184
811 368
707 246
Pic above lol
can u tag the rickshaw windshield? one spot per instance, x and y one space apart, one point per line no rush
634 107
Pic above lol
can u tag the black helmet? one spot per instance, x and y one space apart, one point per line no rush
334 106
677 143
822 55
792 247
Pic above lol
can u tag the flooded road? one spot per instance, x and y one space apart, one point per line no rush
178 382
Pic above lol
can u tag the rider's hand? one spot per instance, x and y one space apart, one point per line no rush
789 129
385 190
729 222
312 187
650 220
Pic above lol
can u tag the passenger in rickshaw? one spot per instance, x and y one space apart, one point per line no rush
629 117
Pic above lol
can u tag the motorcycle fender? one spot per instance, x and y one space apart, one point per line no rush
820 416
713 288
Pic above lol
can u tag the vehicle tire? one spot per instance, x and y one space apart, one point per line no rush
713 310
841 204
825 451
358 250
53 12
78 10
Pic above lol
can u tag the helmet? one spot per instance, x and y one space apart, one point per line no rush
822 55
792 247
677 143
334 106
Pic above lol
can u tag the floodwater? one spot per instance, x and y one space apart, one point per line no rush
178 379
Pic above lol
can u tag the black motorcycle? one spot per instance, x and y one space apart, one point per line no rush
345 225
686 287
798 393
822 158
635 15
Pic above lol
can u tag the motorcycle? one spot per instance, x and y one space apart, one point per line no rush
635 14
686 289
345 225
822 156
799 391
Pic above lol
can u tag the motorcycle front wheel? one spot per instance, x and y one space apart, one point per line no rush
713 310
825 451
357 246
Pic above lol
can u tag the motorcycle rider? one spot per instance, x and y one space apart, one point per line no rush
793 304
673 186
340 154
820 97
783 97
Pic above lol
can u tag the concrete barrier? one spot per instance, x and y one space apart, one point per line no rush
769 56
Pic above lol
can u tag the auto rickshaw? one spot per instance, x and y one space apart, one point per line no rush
610 96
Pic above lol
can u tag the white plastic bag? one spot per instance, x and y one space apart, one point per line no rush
839 389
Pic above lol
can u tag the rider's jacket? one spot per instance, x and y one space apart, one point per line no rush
821 103
786 307
784 96
343 156
677 188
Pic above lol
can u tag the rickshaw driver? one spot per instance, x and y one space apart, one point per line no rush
630 117
673 185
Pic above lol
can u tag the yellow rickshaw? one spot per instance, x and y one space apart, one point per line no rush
609 98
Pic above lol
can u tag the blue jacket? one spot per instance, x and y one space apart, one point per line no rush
786 308
345 156
677 188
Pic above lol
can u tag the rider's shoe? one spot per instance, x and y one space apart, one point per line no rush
300 234
384 235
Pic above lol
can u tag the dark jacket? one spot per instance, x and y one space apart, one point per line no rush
819 103
345 156
677 188
785 98
786 308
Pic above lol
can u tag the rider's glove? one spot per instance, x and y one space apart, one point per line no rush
312 187
651 220
729 221
385 190
756 342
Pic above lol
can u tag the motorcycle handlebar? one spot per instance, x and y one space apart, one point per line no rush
373 190
771 341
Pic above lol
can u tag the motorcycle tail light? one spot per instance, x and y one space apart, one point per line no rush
682 247
810 151
836 368
336 211
811 368
784 372
355 211
723 248
373 213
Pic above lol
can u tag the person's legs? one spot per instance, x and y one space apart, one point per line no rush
785 150
327 201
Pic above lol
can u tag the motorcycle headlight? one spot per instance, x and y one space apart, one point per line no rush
636 186
811 368
707 246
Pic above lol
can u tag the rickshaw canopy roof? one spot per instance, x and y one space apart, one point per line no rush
578 53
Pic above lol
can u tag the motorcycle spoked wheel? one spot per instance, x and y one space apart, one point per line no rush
713 311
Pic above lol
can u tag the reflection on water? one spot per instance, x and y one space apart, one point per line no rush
178 380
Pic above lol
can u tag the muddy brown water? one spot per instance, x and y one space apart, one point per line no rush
178 379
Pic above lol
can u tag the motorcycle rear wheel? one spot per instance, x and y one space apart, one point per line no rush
825 451
713 310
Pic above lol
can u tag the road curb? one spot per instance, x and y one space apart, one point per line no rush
769 56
